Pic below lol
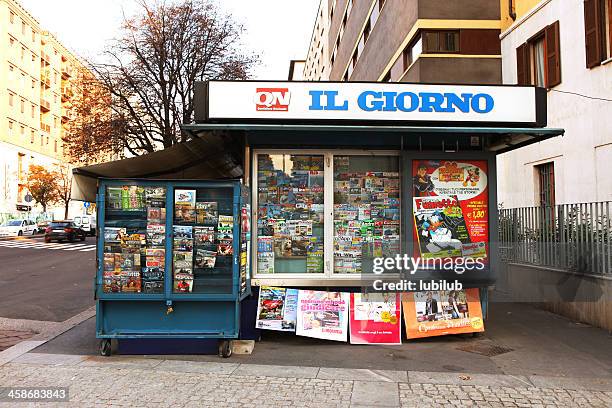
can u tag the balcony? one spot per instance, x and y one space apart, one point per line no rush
45 78
67 115
45 57
67 71
45 128
45 105
67 92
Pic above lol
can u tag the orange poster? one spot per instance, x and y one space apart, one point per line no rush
441 312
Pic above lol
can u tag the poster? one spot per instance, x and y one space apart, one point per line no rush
323 315
375 318
277 308
450 208
437 313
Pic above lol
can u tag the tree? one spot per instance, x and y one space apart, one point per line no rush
89 133
64 186
151 69
42 185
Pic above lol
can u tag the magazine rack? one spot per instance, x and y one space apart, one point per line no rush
172 260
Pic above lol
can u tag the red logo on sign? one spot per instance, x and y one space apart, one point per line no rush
272 99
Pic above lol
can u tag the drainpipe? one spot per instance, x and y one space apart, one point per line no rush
511 10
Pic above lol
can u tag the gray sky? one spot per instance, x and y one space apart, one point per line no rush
277 30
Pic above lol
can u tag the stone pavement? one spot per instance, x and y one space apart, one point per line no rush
141 381
8 338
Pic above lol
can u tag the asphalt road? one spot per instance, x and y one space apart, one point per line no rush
51 282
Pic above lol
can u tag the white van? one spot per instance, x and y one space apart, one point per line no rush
87 223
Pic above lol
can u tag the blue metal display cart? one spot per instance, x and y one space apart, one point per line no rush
172 260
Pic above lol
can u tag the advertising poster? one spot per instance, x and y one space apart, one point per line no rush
323 315
277 308
450 208
442 312
375 318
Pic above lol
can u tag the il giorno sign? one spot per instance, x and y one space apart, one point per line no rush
358 101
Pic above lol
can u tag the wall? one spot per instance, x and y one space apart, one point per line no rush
465 70
521 7
581 157
583 298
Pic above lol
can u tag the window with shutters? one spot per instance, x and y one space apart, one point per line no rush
539 59
545 174
597 31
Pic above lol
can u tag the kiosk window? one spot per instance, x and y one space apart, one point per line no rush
290 213
366 211
134 239
203 240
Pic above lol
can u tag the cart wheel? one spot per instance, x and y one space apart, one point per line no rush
105 347
225 349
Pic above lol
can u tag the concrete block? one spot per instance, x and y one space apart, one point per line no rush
375 394
242 346
356 374
250 370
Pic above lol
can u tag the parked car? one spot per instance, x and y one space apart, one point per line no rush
17 228
42 226
87 223
64 231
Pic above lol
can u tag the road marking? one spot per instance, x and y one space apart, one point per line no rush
50 246
77 246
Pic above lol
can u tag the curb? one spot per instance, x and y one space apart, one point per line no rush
47 331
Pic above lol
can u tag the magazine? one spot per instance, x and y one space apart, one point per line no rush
113 234
204 235
182 231
207 213
113 198
155 196
323 315
156 235
183 283
205 258
277 308
183 244
265 262
156 215
225 248
130 281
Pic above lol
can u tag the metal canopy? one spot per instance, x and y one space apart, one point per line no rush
501 139
211 158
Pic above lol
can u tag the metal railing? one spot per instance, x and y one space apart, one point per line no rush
574 237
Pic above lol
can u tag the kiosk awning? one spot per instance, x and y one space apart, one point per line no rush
498 139
212 157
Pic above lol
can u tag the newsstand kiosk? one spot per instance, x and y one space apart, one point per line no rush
339 174
172 260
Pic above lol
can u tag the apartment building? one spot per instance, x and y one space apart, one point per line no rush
36 85
316 66
433 41
565 46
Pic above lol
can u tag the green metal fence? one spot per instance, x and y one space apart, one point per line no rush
575 237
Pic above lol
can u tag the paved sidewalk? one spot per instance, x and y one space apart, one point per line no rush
130 381
8 338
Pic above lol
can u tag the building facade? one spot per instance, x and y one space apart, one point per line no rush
36 85
562 45
316 66
432 41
